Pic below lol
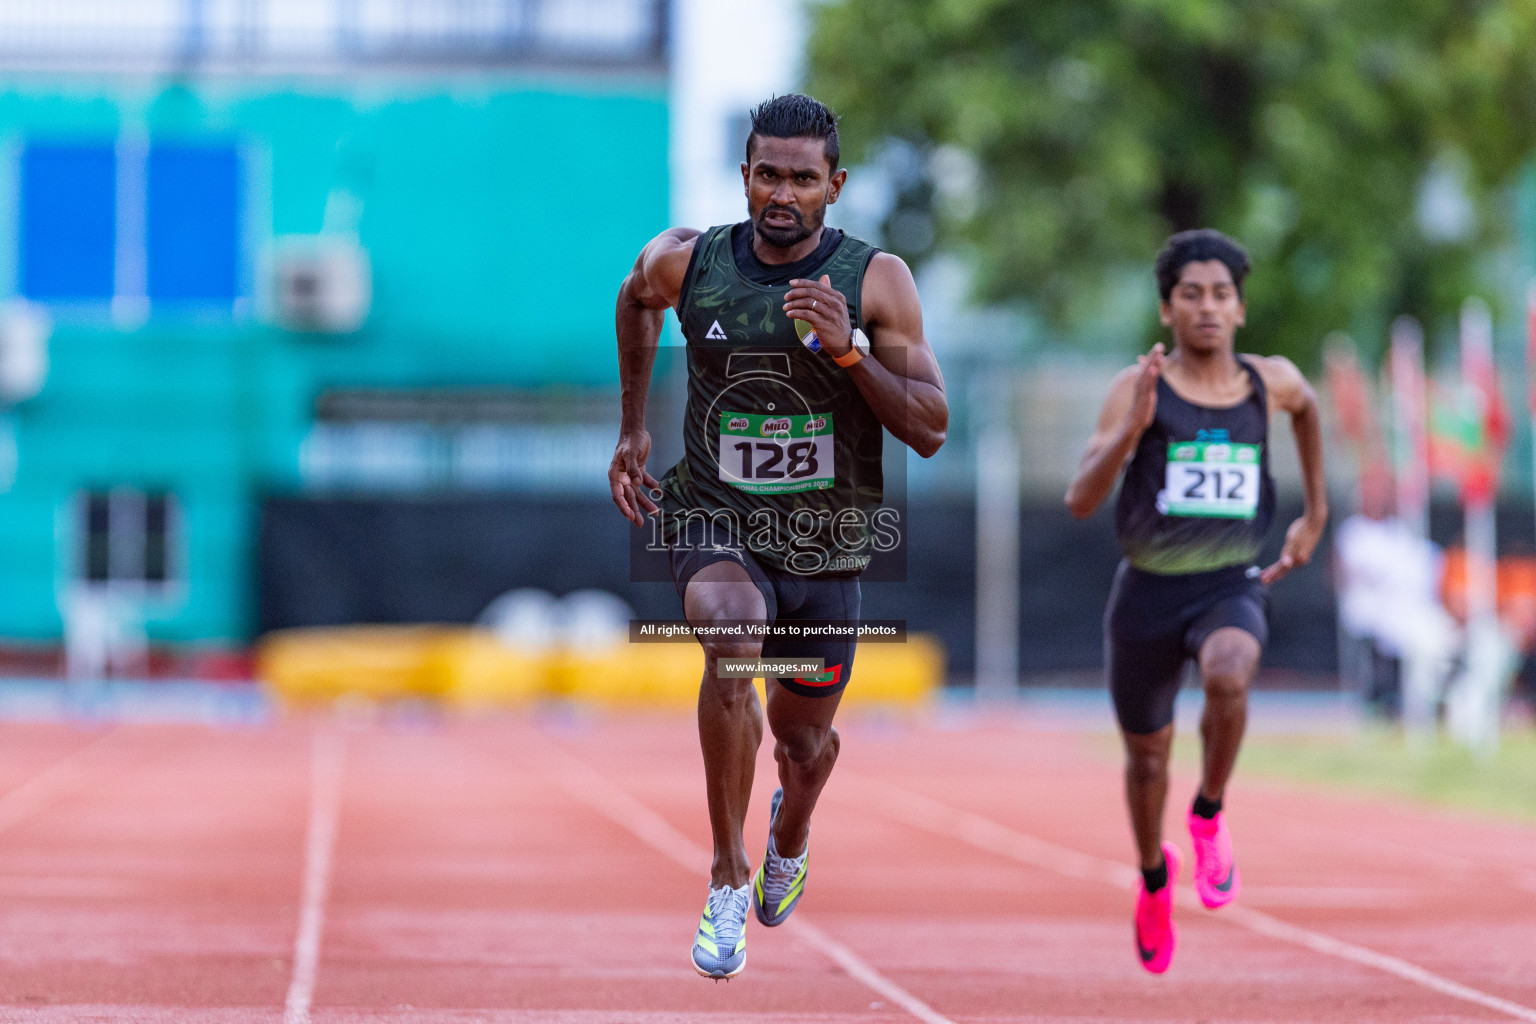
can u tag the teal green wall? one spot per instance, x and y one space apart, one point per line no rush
499 215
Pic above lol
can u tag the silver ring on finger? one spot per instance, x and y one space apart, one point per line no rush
813 305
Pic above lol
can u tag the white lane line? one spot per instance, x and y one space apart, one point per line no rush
985 834
590 787
1341 896
861 971
1264 924
47 786
328 755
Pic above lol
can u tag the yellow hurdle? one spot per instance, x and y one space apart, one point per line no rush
470 669
378 662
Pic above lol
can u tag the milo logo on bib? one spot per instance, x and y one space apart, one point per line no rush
776 454
1212 478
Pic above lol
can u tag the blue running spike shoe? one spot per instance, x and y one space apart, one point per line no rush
720 947
780 881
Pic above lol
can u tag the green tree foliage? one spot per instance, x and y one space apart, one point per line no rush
1315 131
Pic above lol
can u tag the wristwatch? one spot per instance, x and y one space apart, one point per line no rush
859 349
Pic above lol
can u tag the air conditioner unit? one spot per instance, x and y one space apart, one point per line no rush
24 331
321 284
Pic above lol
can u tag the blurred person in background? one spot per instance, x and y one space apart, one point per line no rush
767 517
1509 655
1519 612
1389 606
1193 512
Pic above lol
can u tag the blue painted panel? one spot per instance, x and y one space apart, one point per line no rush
192 227
68 221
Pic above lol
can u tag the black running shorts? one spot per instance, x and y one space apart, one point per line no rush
787 596
1155 624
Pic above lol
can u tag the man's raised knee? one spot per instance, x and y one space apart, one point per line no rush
732 648
1145 767
804 746
1226 684
1226 670
1227 662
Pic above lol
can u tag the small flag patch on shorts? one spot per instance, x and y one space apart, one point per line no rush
827 678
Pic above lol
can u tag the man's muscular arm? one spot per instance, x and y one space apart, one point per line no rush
901 381
1289 391
651 286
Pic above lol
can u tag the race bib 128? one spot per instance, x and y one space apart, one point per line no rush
776 454
1212 478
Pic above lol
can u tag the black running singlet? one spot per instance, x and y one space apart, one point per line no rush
779 444
1197 495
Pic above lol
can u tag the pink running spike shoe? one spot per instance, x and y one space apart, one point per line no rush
1156 934
1216 877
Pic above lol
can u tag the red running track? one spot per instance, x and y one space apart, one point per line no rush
552 870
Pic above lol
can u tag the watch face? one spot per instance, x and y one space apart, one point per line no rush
861 342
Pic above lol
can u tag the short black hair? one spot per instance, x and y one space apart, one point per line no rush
1196 247
795 117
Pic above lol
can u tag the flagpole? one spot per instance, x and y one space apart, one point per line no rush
1476 368
1530 372
1408 420
997 546
1352 405
1423 650
1473 705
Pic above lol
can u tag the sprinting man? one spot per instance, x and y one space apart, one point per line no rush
1192 515
803 342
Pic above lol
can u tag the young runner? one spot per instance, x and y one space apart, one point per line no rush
1193 512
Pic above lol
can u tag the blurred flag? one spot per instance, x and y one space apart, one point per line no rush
1353 401
1530 346
1530 361
1469 425
1455 431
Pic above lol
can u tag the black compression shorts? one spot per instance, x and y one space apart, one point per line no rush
1155 623
787 596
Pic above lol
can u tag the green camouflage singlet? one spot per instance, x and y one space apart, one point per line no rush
779 445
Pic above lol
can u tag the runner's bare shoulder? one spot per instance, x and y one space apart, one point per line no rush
1117 400
1287 385
658 275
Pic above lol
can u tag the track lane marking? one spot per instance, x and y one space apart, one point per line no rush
327 760
65 774
1455 864
861 971
985 834
592 788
